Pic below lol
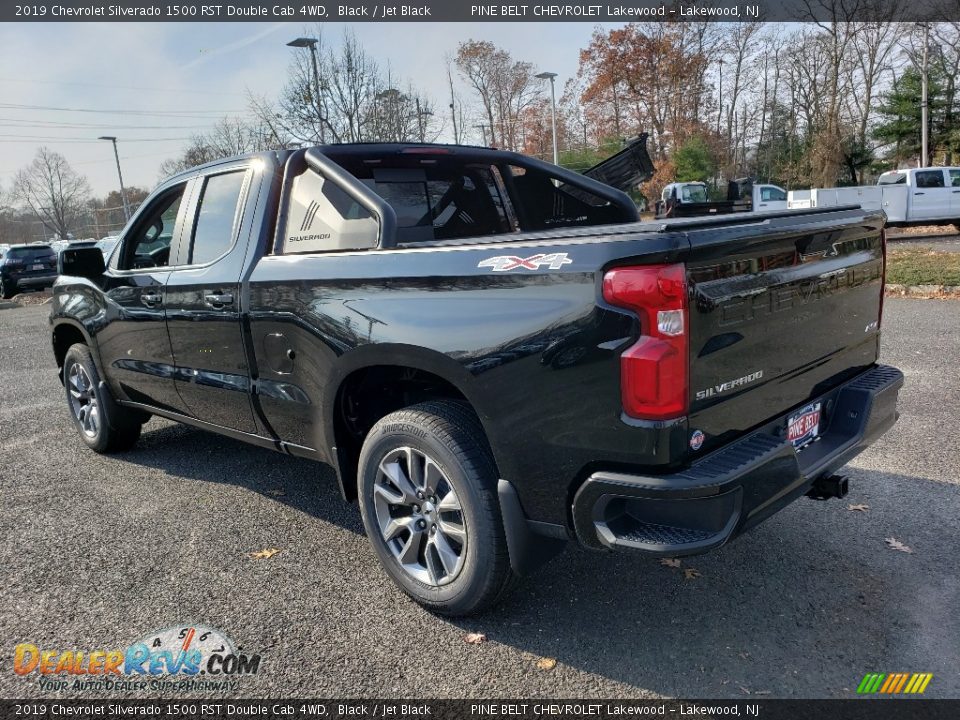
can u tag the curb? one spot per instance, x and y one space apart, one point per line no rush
942 292
9 305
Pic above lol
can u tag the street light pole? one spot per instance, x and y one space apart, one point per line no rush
305 42
123 190
551 76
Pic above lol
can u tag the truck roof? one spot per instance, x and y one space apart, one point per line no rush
369 149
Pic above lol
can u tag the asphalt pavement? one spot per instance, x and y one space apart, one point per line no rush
100 551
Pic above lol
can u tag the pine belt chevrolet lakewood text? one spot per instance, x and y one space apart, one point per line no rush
492 352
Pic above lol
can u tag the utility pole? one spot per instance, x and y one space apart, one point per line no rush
421 124
123 190
924 109
720 96
453 107
483 128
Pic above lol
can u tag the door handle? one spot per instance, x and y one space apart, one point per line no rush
218 300
956 192
919 193
150 298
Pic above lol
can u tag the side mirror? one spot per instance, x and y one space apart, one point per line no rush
81 262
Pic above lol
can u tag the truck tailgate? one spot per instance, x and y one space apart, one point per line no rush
781 310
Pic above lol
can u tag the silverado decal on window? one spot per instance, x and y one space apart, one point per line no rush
502 263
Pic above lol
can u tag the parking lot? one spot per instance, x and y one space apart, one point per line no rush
99 551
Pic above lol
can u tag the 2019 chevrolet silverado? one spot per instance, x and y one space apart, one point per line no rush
492 352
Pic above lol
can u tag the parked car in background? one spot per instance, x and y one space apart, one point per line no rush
913 196
107 245
27 266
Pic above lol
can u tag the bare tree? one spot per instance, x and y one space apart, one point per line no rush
505 87
53 191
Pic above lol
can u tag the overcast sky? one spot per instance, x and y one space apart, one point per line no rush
202 71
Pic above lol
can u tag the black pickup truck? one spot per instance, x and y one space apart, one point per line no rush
493 353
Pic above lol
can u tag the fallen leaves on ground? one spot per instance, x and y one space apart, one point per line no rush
263 554
546 663
858 508
690 573
670 562
895 544
475 638
276 492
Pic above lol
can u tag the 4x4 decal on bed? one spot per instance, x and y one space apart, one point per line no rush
502 263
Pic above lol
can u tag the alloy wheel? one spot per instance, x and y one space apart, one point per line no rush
419 516
83 400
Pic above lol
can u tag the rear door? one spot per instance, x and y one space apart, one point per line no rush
930 197
954 175
780 312
202 300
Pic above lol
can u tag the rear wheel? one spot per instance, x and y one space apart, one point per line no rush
430 508
86 400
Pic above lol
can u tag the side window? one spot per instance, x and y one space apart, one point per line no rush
321 217
772 193
955 178
930 179
215 226
149 244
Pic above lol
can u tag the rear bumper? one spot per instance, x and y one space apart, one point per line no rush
26 279
738 486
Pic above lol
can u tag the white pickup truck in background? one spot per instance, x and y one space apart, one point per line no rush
912 196
690 199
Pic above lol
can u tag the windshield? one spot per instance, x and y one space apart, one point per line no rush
29 253
694 194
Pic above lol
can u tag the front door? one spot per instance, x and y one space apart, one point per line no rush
203 302
931 196
133 340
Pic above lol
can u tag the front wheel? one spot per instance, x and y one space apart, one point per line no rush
7 289
430 508
86 400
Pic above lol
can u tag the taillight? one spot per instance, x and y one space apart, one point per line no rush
654 371
883 275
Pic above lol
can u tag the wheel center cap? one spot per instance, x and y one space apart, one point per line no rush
429 509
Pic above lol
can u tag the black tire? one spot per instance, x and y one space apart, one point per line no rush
7 289
450 437
81 383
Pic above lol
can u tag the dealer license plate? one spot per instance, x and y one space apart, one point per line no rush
804 426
